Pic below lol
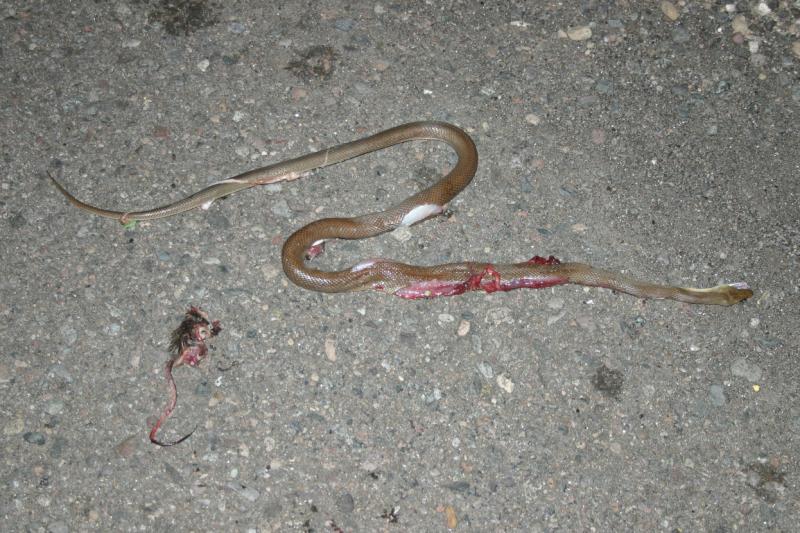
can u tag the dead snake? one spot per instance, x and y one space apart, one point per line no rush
411 281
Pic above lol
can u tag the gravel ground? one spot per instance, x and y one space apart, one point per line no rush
656 138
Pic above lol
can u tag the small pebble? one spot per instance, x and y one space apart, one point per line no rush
604 87
34 437
446 318
717 395
486 370
127 447
579 33
533 119
739 25
504 383
281 209
237 27
330 349
54 407
680 35
463 328
669 10
762 9
68 334
743 369
450 517
345 502
578 228
61 372
344 24
248 493
298 93
244 450
203 65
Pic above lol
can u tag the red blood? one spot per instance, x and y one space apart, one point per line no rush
432 289
314 250
538 260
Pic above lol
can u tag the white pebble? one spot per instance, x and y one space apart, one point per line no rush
504 383
533 119
330 349
669 10
579 33
763 9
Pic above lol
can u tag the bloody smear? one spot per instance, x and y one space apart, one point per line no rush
488 280
188 346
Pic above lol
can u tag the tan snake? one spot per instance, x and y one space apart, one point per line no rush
411 281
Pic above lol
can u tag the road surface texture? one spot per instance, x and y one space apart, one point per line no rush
659 139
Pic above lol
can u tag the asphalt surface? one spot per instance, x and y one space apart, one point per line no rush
658 139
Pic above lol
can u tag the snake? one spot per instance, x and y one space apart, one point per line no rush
394 277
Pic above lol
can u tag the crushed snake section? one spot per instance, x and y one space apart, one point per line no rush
488 280
188 347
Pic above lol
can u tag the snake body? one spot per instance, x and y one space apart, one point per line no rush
400 279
